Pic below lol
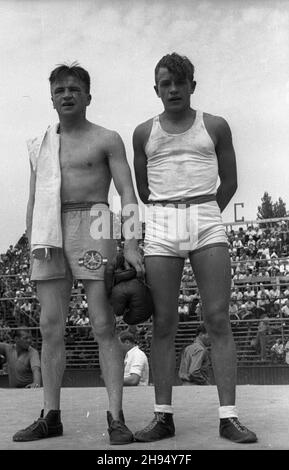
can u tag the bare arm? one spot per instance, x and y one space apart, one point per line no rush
227 164
30 204
36 378
140 164
36 369
122 179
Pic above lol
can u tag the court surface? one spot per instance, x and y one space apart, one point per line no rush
262 408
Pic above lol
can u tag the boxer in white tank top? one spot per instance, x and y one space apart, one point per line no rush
178 157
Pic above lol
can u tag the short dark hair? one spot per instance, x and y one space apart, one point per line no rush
21 329
127 336
201 329
63 70
178 65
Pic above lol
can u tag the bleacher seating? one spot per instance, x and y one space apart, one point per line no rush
82 350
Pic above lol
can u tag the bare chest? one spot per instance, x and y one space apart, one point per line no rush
80 154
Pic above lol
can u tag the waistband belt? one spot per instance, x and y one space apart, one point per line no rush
185 202
80 206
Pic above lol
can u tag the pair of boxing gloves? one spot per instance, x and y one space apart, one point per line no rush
129 296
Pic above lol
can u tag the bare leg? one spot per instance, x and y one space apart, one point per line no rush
110 352
164 277
54 298
212 271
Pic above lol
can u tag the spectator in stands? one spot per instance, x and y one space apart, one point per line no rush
195 360
249 292
244 313
285 309
250 305
183 310
274 293
233 310
263 272
264 250
286 350
83 322
277 351
262 291
136 366
23 361
286 292
263 305
284 267
261 338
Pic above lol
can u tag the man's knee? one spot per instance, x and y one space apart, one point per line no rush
103 328
51 328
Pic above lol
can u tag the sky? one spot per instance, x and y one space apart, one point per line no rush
240 49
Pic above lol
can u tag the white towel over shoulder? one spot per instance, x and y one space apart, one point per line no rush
46 221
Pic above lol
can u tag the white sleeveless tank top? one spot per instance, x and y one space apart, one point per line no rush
181 165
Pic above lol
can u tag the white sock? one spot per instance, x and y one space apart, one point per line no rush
163 409
228 412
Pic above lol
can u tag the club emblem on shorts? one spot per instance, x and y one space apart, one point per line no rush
91 260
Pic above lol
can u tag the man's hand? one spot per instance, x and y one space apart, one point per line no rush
33 385
133 257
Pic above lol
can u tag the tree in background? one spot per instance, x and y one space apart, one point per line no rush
269 209
279 208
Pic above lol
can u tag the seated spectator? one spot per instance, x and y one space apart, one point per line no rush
250 305
263 305
286 292
277 351
286 350
249 292
183 310
285 309
273 271
263 250
263 272
233 310
274 293
262 291
284 267
83 322
195 362
136 366
244 313
237 295
23 362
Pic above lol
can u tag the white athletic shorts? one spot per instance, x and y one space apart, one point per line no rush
179 229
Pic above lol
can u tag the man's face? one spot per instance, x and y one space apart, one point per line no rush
69 96
174 92
126 346
24 341
205 339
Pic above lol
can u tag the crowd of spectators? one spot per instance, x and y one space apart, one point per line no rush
260 274
260 284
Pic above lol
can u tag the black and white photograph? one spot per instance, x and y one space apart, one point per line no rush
144 243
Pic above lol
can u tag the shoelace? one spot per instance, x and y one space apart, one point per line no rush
118 425
159 418
238 425
34 425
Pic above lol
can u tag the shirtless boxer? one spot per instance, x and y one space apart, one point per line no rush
90 157
178 158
